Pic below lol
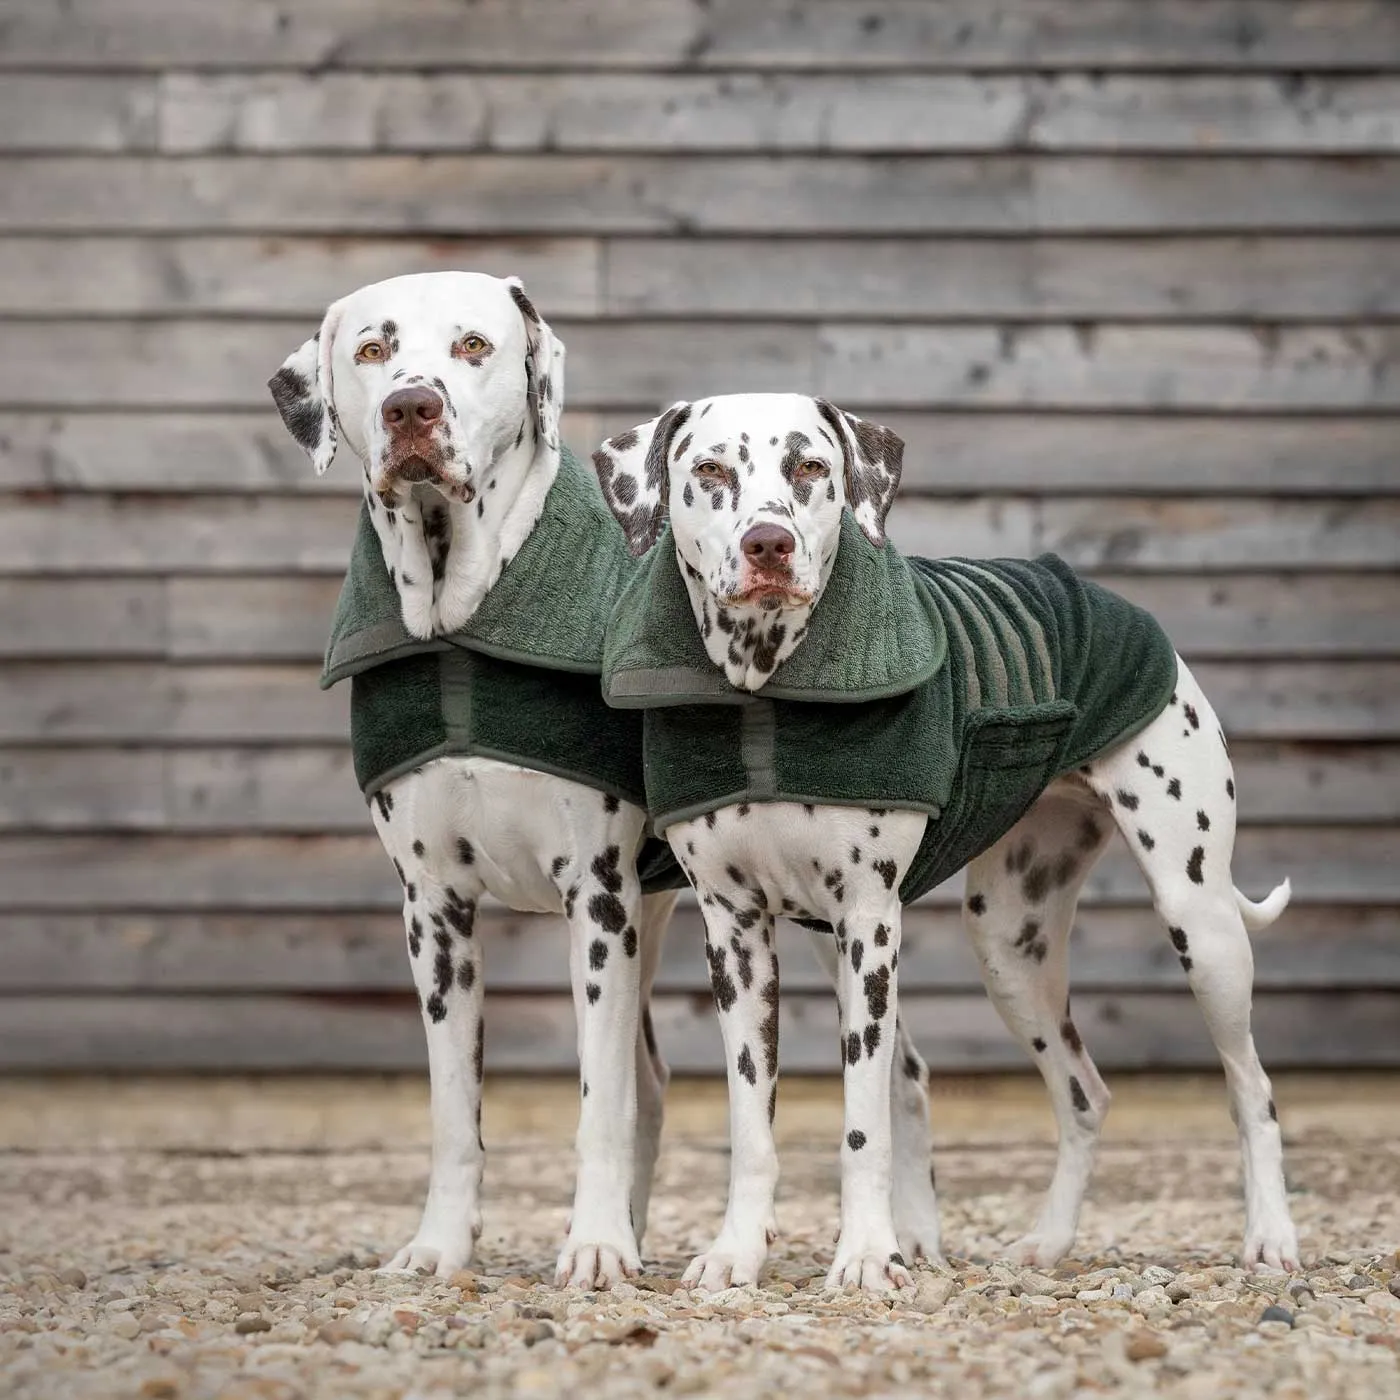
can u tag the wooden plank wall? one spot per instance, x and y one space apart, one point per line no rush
1125 276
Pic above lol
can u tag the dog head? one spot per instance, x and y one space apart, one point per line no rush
427 378
754 486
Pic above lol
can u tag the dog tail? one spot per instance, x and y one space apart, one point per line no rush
1260 916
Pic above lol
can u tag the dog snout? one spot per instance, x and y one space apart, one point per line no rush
768 546
411 409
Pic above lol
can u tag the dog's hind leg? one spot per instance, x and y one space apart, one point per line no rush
652 1073
914 1197
1019 908
1173 795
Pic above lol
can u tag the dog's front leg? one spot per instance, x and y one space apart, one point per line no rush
867 1253
446 959
744 978
603 907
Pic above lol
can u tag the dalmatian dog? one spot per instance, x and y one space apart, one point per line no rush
448 386
754 486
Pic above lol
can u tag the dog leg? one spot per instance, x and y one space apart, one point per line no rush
1019 908
914 1198
1173 794
603 909
867 948
744 978
445 955
652 1073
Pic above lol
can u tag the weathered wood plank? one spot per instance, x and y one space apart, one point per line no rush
60 534
525 1033
241 452
1139 534
1110 366
725 34
135 702
285 276
1324 279
201 363
312 789
1333 865
594 195
946 453
285 617
1024 279
293 789
94 112
57 534
340 112
83 617
129 702
1115 949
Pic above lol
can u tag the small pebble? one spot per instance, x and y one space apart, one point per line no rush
1274 1313
1144 1346
251 1322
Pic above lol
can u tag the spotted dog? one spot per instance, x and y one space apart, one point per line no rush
448 387
757 491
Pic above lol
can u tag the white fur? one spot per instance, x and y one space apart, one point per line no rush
761 860
535 842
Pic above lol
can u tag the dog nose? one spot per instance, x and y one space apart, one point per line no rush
768 546
411 408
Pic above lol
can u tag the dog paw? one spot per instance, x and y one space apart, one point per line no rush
445 1242
874 1268
1041 1249
1273 1251
596 1265
427 1256
917 1230
728 1263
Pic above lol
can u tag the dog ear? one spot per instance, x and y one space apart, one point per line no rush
874 458
632 470
301 389
544 366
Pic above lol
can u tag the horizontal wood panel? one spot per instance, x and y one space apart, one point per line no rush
286 618
313 789
1325 279
1330 865
566 194
57 534
192 363
136 702
147 276
184 113
1147 1030
249 451
1161 367
495 34
1114 949
1015 278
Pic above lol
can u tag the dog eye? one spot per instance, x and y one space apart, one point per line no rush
811 470
709 470
371 352
471 344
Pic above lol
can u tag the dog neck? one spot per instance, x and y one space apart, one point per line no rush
445 555
747 643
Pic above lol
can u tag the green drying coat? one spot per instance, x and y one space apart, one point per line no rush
519 682
956 687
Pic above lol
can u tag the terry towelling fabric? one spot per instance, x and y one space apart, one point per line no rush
956 687
519 683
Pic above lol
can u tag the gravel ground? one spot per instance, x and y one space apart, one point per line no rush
242 1275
